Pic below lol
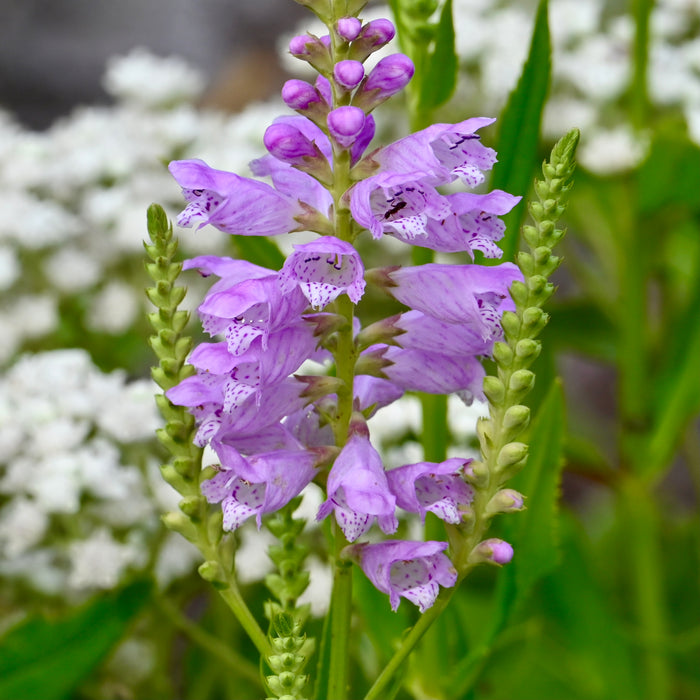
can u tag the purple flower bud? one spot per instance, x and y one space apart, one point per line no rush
388 77
492 550
348 28
374 35
287 143
324 89
412 570
300 95
346 124
363 139
349 74
297 45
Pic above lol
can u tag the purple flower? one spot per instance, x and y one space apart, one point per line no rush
257 485
435 373
358 490
412 570
286 142
429 334
250 309
402 203
231 203
472 295
435 487
323 269
473 224
445 151
374 35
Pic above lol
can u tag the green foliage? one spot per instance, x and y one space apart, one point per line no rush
518 137
49 659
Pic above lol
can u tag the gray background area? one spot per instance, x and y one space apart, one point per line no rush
53 52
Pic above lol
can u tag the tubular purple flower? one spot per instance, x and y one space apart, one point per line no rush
231 203
472 295
435 487
443 151
390 202
348 74
348 28
346 124
260 484
434 373
389 76
412 570
358 491
324 269
374 35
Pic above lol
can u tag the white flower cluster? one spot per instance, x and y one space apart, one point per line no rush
75 197
75 512
592 64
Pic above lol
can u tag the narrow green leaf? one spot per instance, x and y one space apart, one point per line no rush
440 70
47 660
520 128
259 250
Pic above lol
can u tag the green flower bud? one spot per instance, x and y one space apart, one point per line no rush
494 390
526 263
510 454
502 354
528 349
193 506
515 420
521 381
520 293
213 572
534 320
180 523
511 324
476 473
505 501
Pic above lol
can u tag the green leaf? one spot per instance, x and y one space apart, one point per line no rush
47 660
259 250
440 70
520 127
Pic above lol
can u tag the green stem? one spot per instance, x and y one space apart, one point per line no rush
341 612
409 642
642 536
208 642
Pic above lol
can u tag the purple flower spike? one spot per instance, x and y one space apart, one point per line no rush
358 490
389 76
260 484
412 570
348 28
324 269
349 74
286 142
435 487
231 203
346 124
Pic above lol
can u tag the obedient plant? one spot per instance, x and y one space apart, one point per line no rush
274 424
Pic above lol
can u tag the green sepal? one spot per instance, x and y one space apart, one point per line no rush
213 572
180 523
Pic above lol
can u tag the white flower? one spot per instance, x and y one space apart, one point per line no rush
151 81
22 525
99 561
9 267
113 308
72 270
610 151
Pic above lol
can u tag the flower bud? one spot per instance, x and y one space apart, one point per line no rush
494 390
300 95
515 420
180 523
192 506
345 124
383 331
493 551
528 349
287 143
314 50
505 501
477 474
502 354
511 454
349 74
348 28
318 386
521 381
374 35
388 77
